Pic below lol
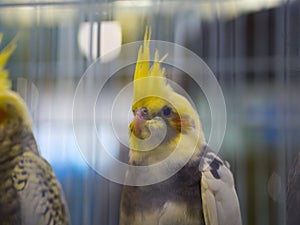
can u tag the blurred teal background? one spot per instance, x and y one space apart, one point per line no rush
252 47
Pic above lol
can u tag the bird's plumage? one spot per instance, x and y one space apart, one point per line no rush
219 199
29 191
4 56
202 190
293 193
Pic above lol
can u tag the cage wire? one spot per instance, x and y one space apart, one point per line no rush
252 47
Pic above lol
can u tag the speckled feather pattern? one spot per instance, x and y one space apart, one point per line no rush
30 193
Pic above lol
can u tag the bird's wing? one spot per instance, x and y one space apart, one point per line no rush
40 195
219 199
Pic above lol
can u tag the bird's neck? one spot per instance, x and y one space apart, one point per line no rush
14 140
186 147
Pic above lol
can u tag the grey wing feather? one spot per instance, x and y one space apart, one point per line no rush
219 199
41 198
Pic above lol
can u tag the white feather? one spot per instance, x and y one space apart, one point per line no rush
219 198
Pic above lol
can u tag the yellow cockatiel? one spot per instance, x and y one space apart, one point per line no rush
202 191
29 191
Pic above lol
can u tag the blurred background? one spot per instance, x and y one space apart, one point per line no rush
251 46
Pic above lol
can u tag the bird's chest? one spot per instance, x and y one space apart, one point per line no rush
174 201
171 213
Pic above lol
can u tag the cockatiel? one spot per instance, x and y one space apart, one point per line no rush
202 191
29 191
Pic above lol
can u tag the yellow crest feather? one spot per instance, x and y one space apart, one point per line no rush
5 83
149 81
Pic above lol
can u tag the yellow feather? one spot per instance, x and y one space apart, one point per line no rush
149 81
6 94
5 83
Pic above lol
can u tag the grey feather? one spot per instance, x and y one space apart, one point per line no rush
201 193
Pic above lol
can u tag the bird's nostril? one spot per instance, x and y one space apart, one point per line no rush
144 112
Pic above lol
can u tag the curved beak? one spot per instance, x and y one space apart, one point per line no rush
141 116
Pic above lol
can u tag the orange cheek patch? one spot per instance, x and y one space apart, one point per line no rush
176 122
181 124
3 115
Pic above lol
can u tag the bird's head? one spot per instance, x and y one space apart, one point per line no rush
13 110
162 117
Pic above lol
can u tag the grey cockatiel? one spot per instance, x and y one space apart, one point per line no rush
202 191
29 191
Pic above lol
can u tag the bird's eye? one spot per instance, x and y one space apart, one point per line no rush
166 111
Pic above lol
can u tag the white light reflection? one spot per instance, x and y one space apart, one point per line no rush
110 39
